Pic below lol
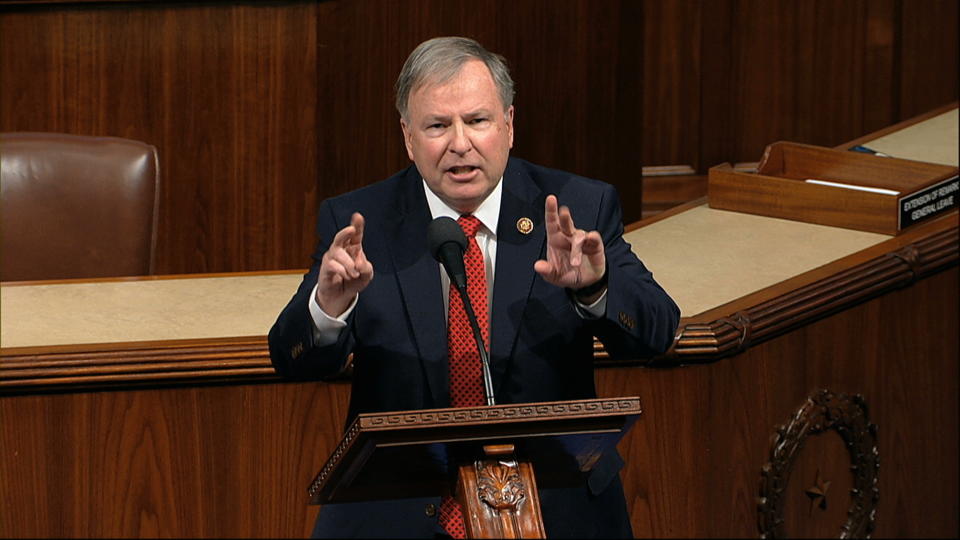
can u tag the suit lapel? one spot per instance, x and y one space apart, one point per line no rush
516 253
418 277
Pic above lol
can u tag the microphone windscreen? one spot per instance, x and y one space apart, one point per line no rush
441 231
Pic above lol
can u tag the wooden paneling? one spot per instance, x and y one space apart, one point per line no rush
722 79
881 74
752 72
672 98
664 192
929 55
576 65
261 109
235 461
222 462
694 458
201 438
226 92
797 68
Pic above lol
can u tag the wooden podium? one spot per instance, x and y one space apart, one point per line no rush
484 455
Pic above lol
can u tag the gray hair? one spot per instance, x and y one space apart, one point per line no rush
437 60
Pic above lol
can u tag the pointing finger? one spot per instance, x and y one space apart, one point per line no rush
357 221
550 215
344 237
566 221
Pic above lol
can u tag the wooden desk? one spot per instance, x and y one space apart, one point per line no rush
796 339
148 407
168 329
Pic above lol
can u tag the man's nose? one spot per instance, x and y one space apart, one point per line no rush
460 144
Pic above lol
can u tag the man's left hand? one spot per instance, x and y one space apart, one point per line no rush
575 258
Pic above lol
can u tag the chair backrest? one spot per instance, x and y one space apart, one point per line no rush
74 206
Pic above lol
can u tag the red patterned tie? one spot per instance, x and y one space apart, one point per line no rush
466 379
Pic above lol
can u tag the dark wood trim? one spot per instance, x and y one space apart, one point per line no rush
123 365
406 433
46 3
895 244
155 277
733 328
23 3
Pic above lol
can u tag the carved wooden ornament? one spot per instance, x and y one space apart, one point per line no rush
824 410
499 496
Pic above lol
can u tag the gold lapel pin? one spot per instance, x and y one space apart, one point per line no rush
525 225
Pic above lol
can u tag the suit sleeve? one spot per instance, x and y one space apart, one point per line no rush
291 339
641 318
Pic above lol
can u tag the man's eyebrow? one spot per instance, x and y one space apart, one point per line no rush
438 117
482 111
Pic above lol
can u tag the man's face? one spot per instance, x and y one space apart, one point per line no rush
459 136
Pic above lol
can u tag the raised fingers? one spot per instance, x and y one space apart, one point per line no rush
346 261
576 248
592 243
551 216
357 222
364 267
332 271
344 237
566 221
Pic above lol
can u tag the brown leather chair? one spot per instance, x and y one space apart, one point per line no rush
73 206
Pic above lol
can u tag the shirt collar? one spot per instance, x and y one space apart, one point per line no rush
488 212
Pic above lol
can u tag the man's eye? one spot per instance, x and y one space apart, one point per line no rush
478 120
435 126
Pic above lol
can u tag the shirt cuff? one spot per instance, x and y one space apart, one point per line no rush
326 329
595 310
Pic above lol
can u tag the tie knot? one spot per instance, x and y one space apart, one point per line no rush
470 224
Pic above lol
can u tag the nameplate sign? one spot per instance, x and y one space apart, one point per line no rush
929 202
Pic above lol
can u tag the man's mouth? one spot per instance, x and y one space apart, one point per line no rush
461 169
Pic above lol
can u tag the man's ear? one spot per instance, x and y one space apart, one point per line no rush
407 137
508 118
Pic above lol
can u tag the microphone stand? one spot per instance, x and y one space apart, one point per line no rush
478 337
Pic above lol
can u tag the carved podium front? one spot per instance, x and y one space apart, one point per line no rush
487 456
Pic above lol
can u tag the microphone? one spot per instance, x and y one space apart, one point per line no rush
447 244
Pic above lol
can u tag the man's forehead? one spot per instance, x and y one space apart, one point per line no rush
474 66
470 93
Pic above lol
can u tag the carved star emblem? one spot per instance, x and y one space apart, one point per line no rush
818 493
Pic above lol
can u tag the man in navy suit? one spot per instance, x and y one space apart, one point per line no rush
375 290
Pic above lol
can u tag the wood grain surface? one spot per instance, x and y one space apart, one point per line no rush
262 109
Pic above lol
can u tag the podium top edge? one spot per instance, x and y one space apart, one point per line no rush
621 406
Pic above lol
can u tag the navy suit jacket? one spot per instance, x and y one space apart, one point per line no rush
541 349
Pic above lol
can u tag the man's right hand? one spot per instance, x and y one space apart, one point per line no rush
344 270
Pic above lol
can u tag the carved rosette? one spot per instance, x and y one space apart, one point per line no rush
499 484
847 416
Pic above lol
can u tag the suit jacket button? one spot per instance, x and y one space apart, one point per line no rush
430 510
